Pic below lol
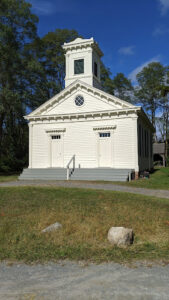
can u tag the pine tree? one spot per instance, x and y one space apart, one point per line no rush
17 27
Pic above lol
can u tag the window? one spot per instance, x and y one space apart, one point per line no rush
95 69
56 137
79 100
104 134
79 66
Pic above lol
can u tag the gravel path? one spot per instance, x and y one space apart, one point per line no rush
74 281
96 186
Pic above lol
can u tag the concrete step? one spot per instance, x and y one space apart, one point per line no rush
100 174
104 177
106 174
120 179
90 176
45 171
44 174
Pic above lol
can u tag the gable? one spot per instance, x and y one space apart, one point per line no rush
94 100
91 104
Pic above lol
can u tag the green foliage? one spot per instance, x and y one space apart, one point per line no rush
31 72
47 65
119 86
150 81
17 27
123 88
106 81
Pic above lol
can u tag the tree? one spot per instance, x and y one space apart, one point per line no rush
32 70
106 81
119 86
17 27
164 103
123 88
150 81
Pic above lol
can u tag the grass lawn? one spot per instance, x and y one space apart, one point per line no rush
159 179
86 216
6 178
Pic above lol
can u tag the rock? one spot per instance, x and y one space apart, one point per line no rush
120 236
52 227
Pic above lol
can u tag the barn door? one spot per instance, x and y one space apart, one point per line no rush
56 151
105 152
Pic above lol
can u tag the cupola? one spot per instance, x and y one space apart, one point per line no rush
83 61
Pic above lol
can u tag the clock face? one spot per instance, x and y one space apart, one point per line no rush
79 100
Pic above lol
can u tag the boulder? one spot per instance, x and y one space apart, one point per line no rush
52 227
120 236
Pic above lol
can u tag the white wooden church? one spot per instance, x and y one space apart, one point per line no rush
83 133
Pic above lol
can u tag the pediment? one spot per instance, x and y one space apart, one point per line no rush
91 103
94 100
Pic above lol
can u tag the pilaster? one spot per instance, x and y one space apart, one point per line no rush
30 144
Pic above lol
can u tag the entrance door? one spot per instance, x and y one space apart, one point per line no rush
105 149
57 151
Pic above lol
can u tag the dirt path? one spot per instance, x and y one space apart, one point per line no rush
74 281
96 186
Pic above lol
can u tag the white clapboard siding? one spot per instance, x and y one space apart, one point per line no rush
125 144
80 139
39 147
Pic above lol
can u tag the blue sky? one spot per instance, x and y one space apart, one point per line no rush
131 33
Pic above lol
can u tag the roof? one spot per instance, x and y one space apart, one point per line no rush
125 107
75 85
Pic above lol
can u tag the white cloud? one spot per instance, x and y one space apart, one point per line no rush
160 31
126 50
164 4
43 7
132 75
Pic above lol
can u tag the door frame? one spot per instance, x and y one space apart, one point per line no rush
103 129
110 140
51 132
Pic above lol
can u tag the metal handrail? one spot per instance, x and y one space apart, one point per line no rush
68 167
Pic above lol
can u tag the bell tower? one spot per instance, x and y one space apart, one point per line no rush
83 62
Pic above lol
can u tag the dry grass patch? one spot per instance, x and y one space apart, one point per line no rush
86 216
8 178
